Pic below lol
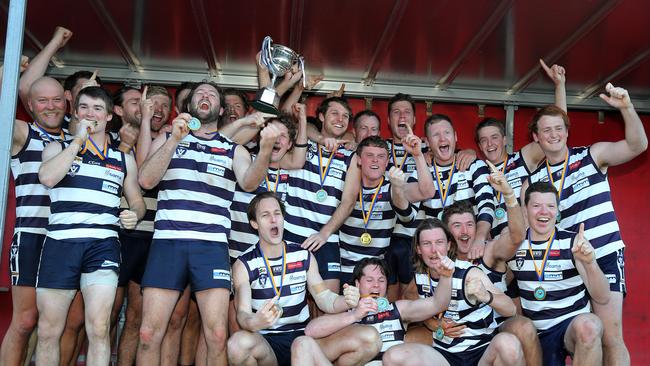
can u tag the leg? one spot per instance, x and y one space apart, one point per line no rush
413 354
115 312
583 339
190 336
23 321
213 306
52 307
504 350
157 307
305 351
129 338
201 358
611 314
98 289
526 333
352 345
172 341
73 327
246 348
419 334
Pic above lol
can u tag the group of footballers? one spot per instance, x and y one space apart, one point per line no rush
248 238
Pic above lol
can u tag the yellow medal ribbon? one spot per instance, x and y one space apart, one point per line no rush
49 135
277 180
323 173
540 270
366 218
278 291
392 150
95 149
503 171
564 170
445 191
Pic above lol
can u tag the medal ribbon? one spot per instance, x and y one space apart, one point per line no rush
540 271
323 174
565 168
93 147
278 291
372 204
392 150
47 134
503 171
444 192
277 180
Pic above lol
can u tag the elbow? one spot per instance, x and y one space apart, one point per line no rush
45 179
145 182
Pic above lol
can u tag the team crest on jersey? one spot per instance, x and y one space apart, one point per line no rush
519 262
263 276
180 151
74 169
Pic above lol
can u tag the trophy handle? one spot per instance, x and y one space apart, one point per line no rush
265 54
302 67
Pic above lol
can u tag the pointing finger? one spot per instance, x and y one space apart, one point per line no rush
144 92
493 168
94 76
544 66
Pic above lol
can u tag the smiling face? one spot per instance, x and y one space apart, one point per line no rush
552 134
492 144
269 221
335 120
463 228
366 126
93 109
47 103
373 161
205 103
161 110
442 141
129 110
400 115
234 108
282 144
432 243
372 282
541 211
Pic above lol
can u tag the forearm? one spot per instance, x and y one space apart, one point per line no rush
295 159
293 98
596 282
256 171
139 207
502 304
560 96
326 325
248 321
635 135
339 216
516 223
54 170
144 142
482 231
154 167
37 67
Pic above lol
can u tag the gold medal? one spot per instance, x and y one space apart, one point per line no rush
278 309
366 239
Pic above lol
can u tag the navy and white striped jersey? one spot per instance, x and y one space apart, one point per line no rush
399 157
516 173
380 226
32 198
196 191
305 214
150 197
479 320
85 203
293 299
566 294
242 237
586 198
389 325
470 185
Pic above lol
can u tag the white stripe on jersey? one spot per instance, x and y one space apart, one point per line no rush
586 198
516 173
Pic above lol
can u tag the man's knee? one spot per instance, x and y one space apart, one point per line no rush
25 322
370 340
97 328
522 327
239 346
149 335
588 329
299 345
216 337
508 348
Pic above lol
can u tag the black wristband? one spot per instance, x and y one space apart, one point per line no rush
299 145
491 298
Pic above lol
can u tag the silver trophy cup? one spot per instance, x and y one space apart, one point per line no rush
278 59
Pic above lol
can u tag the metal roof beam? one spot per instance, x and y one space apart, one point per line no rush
109 23
201 20
390 29
565 46
621 71
475 44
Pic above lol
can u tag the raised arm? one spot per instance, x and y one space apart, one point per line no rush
161 153
592 275
558 75
57 161
479 289
262 319
39 63
250 174
295 159
607 154
244 129
423 189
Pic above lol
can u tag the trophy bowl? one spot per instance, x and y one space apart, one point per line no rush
278 59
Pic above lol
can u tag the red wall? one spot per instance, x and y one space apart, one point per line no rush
629 184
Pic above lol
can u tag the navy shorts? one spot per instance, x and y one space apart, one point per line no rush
465 358
281 345
135 249
398 257
552 342
63 261
613 266
329 261
173 264
24 257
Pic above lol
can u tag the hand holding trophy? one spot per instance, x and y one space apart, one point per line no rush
279 60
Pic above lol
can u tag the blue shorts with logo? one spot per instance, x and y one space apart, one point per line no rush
552 341
613 266
63 261
24 256
281 345
173 264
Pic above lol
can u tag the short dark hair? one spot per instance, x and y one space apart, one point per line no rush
375 141
540 187
189 97
457 208
289 121
430 224
325 104
549 110
489 122
186 85
435 118
251 212
118 96
363 113
240 94
400 97
369 261
71 80
95 92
